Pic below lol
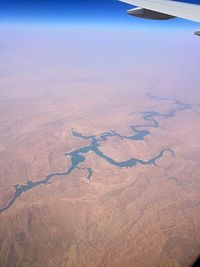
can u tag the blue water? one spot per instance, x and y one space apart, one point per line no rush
78 156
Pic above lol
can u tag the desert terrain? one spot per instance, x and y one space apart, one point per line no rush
99 151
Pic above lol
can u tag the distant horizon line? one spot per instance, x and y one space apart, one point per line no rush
172 24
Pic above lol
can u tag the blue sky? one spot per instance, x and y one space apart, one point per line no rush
74 11
63 9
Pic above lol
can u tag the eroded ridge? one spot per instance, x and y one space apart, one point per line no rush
78 156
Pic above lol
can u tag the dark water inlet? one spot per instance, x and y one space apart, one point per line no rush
78 156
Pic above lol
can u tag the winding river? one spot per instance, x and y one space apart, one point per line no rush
78 156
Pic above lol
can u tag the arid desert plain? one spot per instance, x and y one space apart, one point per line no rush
99 147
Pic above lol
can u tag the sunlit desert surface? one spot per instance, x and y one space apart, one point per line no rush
99 147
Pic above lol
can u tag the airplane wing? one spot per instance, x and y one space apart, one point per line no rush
164 9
